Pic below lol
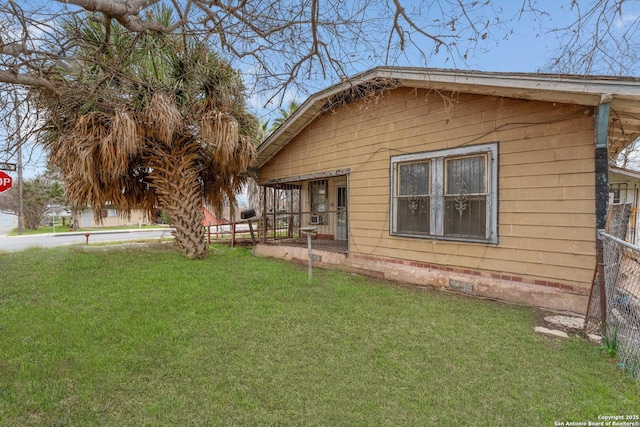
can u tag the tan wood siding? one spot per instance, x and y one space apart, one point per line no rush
546 177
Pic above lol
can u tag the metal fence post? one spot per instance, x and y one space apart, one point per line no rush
601 283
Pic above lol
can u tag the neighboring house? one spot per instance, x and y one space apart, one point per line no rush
210 217
624 185
111 218
492 184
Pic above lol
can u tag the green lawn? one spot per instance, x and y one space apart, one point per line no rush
147 337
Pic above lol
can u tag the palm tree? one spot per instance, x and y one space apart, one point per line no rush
263 129
285 113
161 122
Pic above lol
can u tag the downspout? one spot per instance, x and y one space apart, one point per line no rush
602 197
602 160
634 214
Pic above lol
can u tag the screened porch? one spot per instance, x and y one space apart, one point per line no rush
318 203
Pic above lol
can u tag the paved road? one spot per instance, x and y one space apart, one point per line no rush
18 243
7 222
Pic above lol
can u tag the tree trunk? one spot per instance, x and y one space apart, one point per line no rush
175 178
185 210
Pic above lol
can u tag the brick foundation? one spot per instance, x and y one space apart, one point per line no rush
522 290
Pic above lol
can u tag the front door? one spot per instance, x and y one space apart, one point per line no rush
342 219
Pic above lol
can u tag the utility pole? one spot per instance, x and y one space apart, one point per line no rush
19 148
20 198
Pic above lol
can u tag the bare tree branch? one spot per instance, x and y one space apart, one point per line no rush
284 43
27 80
600 40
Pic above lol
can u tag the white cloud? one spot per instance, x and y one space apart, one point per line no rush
626 20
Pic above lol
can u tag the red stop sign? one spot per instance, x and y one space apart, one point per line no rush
5 182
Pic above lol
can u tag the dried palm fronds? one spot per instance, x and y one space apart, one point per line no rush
81 160
126 133
163 118
123 141
219 130
245 154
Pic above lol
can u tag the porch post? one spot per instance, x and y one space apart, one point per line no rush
264 214
274 208
309 230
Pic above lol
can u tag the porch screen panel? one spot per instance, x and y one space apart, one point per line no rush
466 192
412 202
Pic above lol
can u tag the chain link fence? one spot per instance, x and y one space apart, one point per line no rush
620 266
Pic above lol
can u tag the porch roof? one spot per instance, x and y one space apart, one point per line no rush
625 172
622 93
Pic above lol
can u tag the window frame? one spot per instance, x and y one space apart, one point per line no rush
420 197
437 171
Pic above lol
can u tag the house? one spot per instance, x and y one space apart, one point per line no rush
210 218
624 186
111 217
490 184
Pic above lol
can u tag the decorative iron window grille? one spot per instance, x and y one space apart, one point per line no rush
413 200
466 196
449 194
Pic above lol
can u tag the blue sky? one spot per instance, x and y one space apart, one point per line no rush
528 48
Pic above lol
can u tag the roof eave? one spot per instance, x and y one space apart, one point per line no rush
588 91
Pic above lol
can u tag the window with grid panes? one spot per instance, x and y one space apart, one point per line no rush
446 194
